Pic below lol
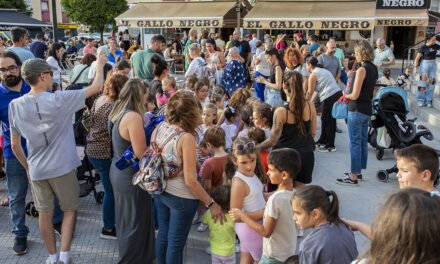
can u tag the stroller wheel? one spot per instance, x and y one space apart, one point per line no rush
410 131
28 208
99 197
382 176
379 153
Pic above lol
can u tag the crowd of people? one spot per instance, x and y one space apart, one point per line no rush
237 161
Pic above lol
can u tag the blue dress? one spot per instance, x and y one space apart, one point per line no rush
234 76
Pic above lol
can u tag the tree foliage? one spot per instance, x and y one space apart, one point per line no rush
96 14
16 4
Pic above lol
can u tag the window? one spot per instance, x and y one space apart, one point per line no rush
44 6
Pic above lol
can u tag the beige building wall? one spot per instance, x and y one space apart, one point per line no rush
36 8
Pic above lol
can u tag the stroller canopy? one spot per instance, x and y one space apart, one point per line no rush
391 99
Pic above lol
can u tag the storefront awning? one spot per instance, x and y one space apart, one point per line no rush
340 15
177 15
402 17
10 18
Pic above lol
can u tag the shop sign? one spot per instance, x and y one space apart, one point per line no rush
67 26
402 22
403 4
310 24
185 23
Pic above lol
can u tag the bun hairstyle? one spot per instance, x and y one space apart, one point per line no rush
315 197
159 65
230 113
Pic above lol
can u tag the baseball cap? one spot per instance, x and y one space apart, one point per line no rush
34 67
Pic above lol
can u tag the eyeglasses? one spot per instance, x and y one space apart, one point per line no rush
11 69
48 72
248 146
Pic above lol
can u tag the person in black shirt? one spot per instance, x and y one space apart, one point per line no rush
359 112
243 47
38 47
427 67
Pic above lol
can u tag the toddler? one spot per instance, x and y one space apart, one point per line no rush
229 127
167 90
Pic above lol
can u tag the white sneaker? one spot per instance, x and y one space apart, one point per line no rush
419 104
429 105
48 261
202 227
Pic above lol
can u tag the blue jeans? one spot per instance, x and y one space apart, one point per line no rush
259 87
108 206
17 191
174 216
358 133
428 68
273 97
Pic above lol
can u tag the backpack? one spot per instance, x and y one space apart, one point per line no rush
206 71
151 176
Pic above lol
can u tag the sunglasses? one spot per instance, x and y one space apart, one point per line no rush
248 146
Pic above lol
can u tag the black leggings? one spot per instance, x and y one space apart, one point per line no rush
328 123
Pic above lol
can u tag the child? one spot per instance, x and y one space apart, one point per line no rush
209 116
278 228
257 135
167 90
386 78
221 236
247 195
229 127
190 82
246 117
406 229
218 97
404 80
201 91
331 241
263 117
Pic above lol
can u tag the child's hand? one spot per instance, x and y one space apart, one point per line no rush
235 214
353 225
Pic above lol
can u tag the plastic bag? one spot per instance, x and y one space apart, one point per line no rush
383 139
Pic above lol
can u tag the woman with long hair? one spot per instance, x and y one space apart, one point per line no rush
273 85
133 206
294 126
177 206
359 112
160 71
56 53
295 62
99 148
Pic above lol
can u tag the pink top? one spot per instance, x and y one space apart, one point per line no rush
89 50
163 99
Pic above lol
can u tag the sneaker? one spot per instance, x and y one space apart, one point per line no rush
105 234
347 181
70 261
420 104
320 145
48 261
57 228
20 246
202 227
196 219
429 105
327 149
359 175
338 130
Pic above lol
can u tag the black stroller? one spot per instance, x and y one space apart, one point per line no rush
390 108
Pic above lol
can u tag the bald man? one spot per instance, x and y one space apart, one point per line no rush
329 61
243 47
383 55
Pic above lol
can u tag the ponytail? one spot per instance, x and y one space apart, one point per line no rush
315 197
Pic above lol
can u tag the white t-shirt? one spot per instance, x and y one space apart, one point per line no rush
263 67
230 132
195 67
53 62
282 243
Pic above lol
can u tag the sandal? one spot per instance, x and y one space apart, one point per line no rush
5 202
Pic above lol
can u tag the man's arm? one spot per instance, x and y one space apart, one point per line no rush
98 82
18 151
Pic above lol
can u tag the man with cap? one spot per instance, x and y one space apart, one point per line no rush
90 47
383 55
44 119
426 66
13 86
38 47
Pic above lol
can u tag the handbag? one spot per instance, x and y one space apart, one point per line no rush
340 108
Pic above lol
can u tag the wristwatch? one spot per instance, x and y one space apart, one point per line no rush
211 203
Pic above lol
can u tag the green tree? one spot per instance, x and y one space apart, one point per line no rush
94 13
16 4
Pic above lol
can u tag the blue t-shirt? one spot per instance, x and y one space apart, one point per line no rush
23 53
38 48
6 96
112 59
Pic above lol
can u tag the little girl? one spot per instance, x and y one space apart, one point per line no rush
190 82
209 116
201 90
246 117
331 241
229 127
167 90
247 195
263 117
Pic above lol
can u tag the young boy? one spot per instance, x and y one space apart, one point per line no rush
278 228
221 236
418 168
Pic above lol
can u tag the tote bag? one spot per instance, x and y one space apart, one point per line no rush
340 108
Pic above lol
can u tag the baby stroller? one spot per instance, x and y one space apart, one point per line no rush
390 108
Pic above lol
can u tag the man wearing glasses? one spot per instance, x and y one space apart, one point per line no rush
20 39
13 86
44 119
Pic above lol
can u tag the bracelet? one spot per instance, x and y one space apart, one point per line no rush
211 203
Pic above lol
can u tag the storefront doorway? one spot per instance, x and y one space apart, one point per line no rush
403 38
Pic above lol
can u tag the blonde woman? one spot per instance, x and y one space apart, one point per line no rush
196 66
133 206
